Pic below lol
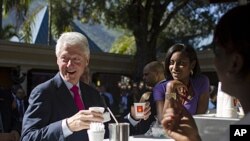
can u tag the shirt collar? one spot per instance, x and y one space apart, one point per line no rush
68 84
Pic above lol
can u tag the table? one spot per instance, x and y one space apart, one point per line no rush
211 127
144 138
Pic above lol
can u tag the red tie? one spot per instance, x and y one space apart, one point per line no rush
77 98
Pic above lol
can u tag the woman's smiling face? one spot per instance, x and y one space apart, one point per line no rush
180 66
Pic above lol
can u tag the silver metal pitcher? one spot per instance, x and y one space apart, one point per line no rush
119 132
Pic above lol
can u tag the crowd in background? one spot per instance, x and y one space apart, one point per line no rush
13 104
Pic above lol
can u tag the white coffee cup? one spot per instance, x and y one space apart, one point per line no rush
139 109
96 135
106 115
229 112
97 109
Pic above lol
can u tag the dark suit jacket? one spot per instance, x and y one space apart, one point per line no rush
18 115
8 115
49 104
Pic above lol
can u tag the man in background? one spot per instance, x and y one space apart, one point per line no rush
153 74
20 99
10 127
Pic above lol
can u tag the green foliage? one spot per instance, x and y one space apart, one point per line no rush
195 22
180 20
124 45
61 17
7 32
26 32
21 7
28 25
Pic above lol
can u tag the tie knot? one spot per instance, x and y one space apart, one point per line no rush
74 89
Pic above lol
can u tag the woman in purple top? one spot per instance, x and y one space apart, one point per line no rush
182 64
232 64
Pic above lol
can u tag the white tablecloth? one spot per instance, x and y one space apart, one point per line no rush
211 128
143 138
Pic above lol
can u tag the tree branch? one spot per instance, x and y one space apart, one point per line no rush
173 13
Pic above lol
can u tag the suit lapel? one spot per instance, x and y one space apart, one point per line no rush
64 96
85 98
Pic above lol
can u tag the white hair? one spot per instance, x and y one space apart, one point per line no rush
71 39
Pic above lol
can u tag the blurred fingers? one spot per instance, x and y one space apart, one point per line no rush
147 111
168 119
147 114
147 104
132 112
172 114
82 119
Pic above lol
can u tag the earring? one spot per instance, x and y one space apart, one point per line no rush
191 72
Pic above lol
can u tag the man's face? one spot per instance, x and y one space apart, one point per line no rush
21 94
149 77
71 63
222 63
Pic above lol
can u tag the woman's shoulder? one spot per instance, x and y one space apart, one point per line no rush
201 82
162 83
200 78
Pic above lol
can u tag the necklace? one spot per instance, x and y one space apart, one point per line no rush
186 97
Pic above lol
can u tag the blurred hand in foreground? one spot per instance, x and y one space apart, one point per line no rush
178 123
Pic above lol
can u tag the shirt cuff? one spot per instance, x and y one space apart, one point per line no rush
131 120
65 129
